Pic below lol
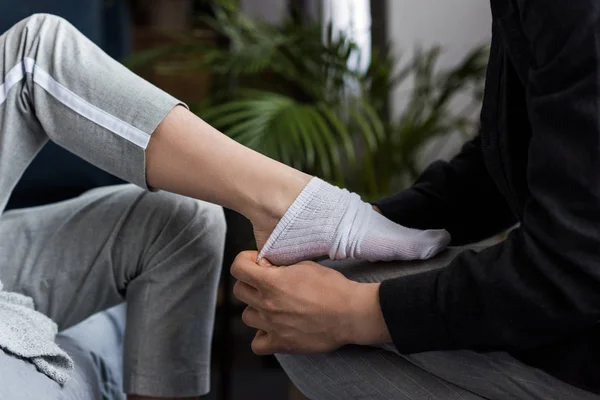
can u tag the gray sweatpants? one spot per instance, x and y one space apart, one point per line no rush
159 251
361 372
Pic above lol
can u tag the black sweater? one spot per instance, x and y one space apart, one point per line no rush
536 161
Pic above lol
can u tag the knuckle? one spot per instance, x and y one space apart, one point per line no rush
257 348
239 262
247 254
270 305
238 257
246 316
271 279
233 269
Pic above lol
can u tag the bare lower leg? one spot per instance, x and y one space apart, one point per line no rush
189 157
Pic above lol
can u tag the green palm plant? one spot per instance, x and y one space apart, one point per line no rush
293 99
293 102
297 97
430 113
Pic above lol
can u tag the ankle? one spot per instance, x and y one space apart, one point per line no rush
271 206
268 208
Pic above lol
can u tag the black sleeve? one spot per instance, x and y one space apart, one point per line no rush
458 196
543 282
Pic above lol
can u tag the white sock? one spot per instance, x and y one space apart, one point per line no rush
327 220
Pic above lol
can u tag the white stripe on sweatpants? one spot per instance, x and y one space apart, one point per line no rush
72 101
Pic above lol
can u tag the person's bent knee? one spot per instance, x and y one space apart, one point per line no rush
39 18
192 221
35 21
209 222
198 217
173 218
46 26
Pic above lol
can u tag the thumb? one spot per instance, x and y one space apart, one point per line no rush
263 262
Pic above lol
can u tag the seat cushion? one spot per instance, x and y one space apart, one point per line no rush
20 380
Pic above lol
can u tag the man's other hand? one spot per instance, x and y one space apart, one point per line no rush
306 308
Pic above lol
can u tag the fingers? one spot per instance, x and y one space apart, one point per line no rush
253 277
246 294
245 269
252 318
263 262
248 255
265 343
262 344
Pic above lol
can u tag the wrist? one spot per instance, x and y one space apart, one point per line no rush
367 325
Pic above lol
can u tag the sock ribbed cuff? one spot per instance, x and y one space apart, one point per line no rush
306 196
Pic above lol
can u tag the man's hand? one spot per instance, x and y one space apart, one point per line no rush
306 308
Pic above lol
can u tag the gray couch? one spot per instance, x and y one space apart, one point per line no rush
96 348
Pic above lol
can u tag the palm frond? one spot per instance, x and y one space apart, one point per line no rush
309 136
306 104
